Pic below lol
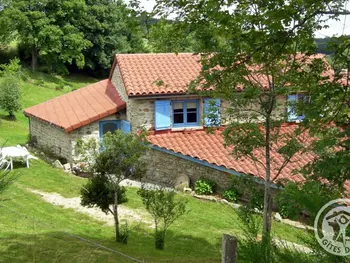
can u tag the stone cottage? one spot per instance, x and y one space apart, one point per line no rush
150 91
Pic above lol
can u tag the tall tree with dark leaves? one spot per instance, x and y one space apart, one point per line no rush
112 28
253 53
49 30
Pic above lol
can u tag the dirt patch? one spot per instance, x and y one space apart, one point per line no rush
74 203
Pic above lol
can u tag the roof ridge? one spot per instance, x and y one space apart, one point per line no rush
156 54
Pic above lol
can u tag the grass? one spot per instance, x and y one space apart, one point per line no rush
36 87
195 237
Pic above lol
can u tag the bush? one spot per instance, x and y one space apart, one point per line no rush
10 96
230 195
124 233
204 186
307 197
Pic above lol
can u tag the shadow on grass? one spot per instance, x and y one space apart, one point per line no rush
45 79
60 247
7 117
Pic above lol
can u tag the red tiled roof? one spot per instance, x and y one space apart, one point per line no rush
81 107
210 148
141 72
169 73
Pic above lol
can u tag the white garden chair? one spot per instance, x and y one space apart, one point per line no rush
4 164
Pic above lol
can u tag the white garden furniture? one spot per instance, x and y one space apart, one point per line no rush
4 164
16 152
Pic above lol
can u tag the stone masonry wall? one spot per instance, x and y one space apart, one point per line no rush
50 137
91 131
164 168
140 113
61 143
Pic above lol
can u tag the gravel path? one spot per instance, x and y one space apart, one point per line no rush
94 212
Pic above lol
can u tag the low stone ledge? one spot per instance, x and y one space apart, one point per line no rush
206 197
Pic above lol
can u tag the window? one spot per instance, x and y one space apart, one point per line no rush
113 125
292 105
211 112
185 113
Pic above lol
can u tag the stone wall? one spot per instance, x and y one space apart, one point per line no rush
278 113
50 138
164 168
140 112
91 131
62 144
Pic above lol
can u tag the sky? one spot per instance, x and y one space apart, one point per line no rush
335 27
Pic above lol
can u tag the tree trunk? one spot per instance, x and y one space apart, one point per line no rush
267 195
159 238
115 213
34 59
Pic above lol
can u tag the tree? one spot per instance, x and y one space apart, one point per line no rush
10 96
119 159
111 28
253 53
164 208
168 36
49 30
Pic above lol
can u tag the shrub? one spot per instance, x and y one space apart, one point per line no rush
124 233
11 68
204 186
60 87
307 197
230 195
10 96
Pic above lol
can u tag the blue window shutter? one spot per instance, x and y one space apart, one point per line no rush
291 104
209 110
126 126
162 114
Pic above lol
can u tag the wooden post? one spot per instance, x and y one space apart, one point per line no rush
229 249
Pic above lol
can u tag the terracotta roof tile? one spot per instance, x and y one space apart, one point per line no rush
81 107
140 72
209 147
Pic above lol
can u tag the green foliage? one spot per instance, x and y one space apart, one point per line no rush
112 28
230 195
254 250
118 159
204 186
99 193
5 181
308 197
10 95
12 68
164 208
49 30
121 156
87 152
75 32
246 187
124 233
169 36
255 48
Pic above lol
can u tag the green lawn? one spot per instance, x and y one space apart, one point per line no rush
196 237
37 88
